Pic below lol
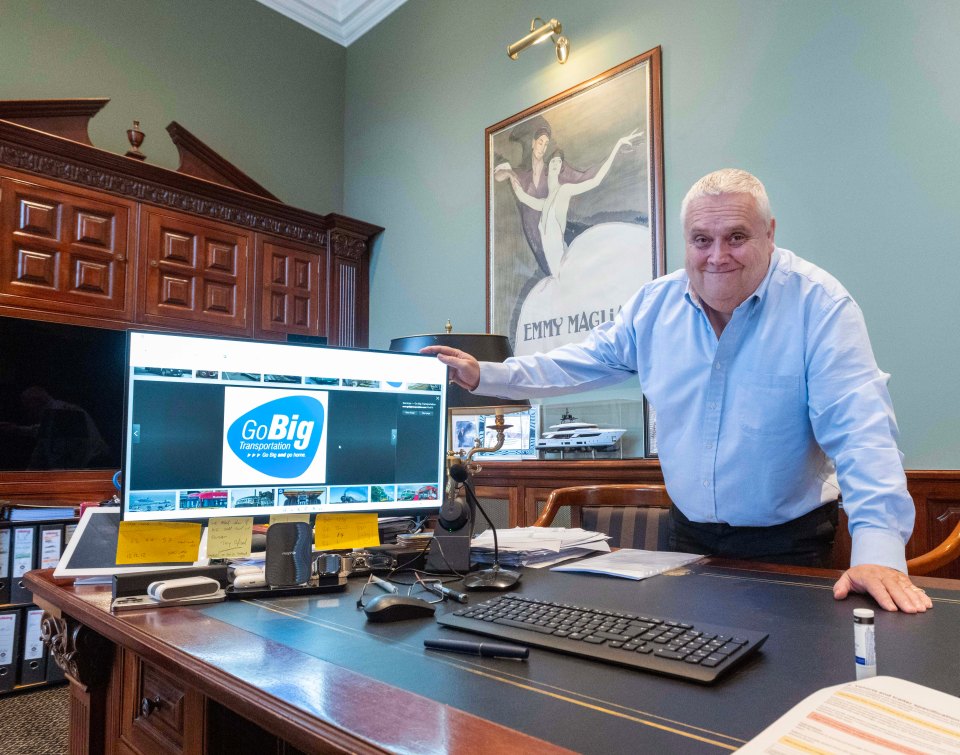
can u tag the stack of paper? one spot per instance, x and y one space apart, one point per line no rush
632 563
537 546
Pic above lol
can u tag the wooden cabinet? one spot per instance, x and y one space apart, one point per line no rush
65 250
292 277
90 237
195 274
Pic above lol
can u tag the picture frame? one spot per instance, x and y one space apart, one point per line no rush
574 206
520 441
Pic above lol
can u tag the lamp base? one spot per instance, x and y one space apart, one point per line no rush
493 578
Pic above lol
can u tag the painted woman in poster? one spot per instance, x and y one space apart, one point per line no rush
567 299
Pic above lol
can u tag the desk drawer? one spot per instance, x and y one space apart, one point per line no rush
160 713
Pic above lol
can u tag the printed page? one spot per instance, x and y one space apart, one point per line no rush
878 715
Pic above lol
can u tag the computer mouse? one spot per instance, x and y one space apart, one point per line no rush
397 608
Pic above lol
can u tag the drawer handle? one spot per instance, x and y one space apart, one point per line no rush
148 706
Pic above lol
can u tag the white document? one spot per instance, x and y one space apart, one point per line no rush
879 715
32 641
631 563
4 553
8 629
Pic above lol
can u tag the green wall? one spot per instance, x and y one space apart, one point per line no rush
848 110
261 90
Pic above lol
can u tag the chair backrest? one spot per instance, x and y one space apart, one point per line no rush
635 516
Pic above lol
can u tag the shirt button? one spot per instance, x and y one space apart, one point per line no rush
712 405
706 483
718 365
708 445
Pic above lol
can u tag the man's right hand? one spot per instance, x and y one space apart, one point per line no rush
464 368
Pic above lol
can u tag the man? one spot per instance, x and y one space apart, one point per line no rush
762 375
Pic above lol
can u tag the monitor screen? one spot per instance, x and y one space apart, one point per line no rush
222 427
60 389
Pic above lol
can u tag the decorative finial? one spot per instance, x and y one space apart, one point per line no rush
448 327
135 137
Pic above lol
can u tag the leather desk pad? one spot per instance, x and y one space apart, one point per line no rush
594 707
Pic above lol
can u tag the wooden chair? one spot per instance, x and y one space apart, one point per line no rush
925 563
942 555
635 516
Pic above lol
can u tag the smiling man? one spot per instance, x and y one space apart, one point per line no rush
767 393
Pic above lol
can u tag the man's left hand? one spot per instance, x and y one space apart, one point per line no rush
892 589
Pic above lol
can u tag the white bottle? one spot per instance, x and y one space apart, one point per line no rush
863 637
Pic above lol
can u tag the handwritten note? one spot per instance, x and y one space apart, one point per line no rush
345 531
274 518
230 537
158 542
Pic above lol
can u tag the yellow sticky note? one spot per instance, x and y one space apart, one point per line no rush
158 542
345 531
274 518
229 537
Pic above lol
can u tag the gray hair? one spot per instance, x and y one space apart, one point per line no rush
728 181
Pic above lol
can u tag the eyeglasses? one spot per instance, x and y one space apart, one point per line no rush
427 586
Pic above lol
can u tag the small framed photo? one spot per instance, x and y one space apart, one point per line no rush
466 428
520 438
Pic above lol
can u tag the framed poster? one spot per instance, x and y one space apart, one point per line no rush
575 206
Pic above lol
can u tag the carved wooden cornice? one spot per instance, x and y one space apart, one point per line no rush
67 118
346 245
42 154
198 159
82 653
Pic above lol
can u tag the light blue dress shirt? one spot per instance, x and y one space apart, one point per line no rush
750 426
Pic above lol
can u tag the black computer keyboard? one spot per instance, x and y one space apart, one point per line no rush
700 653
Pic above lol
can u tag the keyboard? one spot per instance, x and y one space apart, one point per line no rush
699 653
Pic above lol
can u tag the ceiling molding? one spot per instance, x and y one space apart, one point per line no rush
343 21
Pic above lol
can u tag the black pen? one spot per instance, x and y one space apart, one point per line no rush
483 649
445 592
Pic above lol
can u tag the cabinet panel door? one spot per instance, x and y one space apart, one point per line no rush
65 251
292 288
195 275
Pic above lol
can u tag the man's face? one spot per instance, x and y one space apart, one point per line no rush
728 249
540 146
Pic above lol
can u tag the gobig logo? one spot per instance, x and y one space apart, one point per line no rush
279 438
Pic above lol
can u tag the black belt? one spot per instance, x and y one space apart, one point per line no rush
804 541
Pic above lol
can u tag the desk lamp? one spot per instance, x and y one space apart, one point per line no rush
455 524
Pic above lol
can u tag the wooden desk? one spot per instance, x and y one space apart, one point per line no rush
310 675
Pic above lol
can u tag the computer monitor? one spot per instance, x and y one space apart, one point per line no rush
59 385
224 427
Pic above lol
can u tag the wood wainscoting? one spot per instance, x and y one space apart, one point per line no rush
525 485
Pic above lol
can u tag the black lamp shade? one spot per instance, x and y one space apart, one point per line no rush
486 347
